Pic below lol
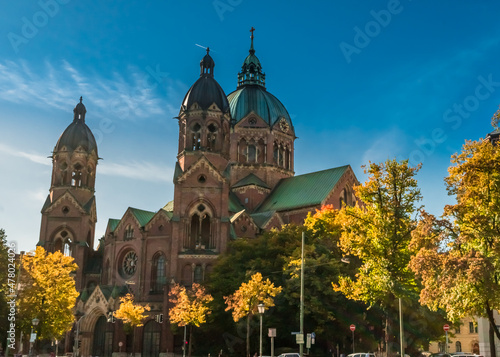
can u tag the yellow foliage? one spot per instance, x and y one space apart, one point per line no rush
48 292
189 307
246 299
131 313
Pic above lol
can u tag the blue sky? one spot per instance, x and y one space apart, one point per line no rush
362 80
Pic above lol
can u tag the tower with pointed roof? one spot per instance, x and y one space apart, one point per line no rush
201 182
69 213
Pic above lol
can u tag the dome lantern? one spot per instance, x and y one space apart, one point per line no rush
79 111
251 71
207 65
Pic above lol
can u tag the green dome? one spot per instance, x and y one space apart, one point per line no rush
256 98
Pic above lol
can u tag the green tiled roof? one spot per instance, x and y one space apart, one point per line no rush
112 224
142 216
234 203
88 205
260 219
303 190
251 180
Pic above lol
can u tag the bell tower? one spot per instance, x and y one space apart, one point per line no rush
69 213
201 185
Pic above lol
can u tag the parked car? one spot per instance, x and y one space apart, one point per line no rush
361 354
290 354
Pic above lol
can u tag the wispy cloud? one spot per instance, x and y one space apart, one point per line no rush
388 145
34 157
144 171
138 95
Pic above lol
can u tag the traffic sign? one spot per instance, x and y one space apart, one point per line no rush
299 338
352 327
446 327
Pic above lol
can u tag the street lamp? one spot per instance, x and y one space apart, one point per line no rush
261 308
34 323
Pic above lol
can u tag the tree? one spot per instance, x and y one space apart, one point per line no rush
276 254
190 307
377 231
459 256
47 292
131 314
4 286
245 300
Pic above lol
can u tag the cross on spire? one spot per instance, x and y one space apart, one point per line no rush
252 51
208 50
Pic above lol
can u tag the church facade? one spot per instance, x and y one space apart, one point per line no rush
234 178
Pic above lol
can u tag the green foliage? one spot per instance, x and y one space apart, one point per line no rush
378 232
4 289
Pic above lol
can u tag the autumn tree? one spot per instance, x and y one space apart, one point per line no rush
459 257
377 231
189 307
245 300
4 286
47 292
131 314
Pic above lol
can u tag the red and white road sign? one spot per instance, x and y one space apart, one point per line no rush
352 327
446 327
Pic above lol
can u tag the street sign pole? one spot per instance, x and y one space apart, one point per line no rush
446 327
352 327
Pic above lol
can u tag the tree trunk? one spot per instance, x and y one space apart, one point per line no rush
493 330
133 341
248 335
190 339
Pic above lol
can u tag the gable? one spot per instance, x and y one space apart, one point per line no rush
66 199
203 165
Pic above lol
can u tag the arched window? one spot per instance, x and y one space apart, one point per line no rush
195 231
76 176
242 151
261 152
205 232
129 233
187 275
198 274
252 153
212 137
276 154
458 346
196 137
63 243
200 229
158 274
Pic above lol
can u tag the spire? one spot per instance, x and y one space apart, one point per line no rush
252 51
251 71
79 112
207 65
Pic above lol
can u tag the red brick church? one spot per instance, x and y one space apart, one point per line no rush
234 178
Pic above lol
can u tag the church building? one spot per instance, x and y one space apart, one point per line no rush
234 178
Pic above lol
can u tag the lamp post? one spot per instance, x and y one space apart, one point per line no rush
34 324
261 308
